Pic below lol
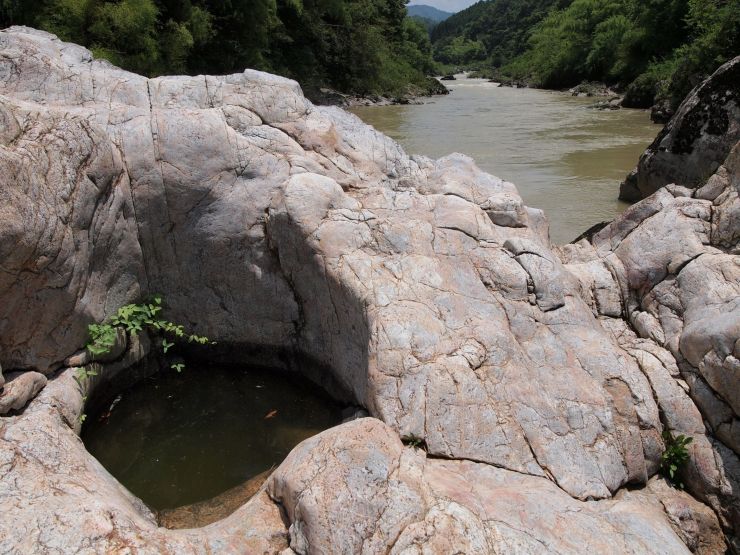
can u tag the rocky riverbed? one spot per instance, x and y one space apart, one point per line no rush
539 379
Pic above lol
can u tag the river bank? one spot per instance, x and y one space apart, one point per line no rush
414 94
613 97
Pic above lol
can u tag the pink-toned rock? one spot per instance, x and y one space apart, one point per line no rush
399 501
19 389
424 291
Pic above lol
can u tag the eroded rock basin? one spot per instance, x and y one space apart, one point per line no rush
175 439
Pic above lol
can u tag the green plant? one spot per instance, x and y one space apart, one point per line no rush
135 318
82 416
674 457
414 441
85 372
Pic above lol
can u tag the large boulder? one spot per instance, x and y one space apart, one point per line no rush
425 291
427 288
695 142
673 260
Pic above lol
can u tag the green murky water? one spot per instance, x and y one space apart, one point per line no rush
563 156
175 439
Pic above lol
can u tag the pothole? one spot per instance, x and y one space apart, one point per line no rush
179 440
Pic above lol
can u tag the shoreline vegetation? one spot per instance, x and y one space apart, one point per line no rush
652 53
362 48
378 52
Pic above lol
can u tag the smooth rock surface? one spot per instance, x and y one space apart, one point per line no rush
426 289
403 502
19 390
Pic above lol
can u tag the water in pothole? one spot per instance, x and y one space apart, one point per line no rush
175 439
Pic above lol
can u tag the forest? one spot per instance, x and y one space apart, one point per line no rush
654 50
361 47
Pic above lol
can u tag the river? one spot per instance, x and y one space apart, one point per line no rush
564 156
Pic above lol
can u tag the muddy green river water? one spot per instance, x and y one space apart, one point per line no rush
174 439
564 156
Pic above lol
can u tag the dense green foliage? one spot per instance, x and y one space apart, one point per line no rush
650 47
425 22
492 30
355 46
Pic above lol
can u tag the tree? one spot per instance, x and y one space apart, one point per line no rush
357 46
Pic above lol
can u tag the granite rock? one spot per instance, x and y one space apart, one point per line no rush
425 290
19 389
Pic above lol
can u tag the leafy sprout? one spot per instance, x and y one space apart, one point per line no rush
674 457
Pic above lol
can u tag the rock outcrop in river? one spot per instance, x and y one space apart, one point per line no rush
540 379
695 142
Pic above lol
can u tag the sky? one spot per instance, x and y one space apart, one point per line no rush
445 5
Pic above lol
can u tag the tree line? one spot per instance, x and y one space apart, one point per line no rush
361 47
656 50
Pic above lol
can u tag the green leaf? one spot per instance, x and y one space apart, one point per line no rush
134 318
674 456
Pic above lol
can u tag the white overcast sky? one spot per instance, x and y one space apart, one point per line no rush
445 5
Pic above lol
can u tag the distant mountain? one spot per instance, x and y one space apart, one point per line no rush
423 11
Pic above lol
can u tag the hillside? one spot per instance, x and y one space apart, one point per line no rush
492 30
655 51
427 12
361 47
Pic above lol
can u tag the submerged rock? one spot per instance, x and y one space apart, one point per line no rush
212 510
428 288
